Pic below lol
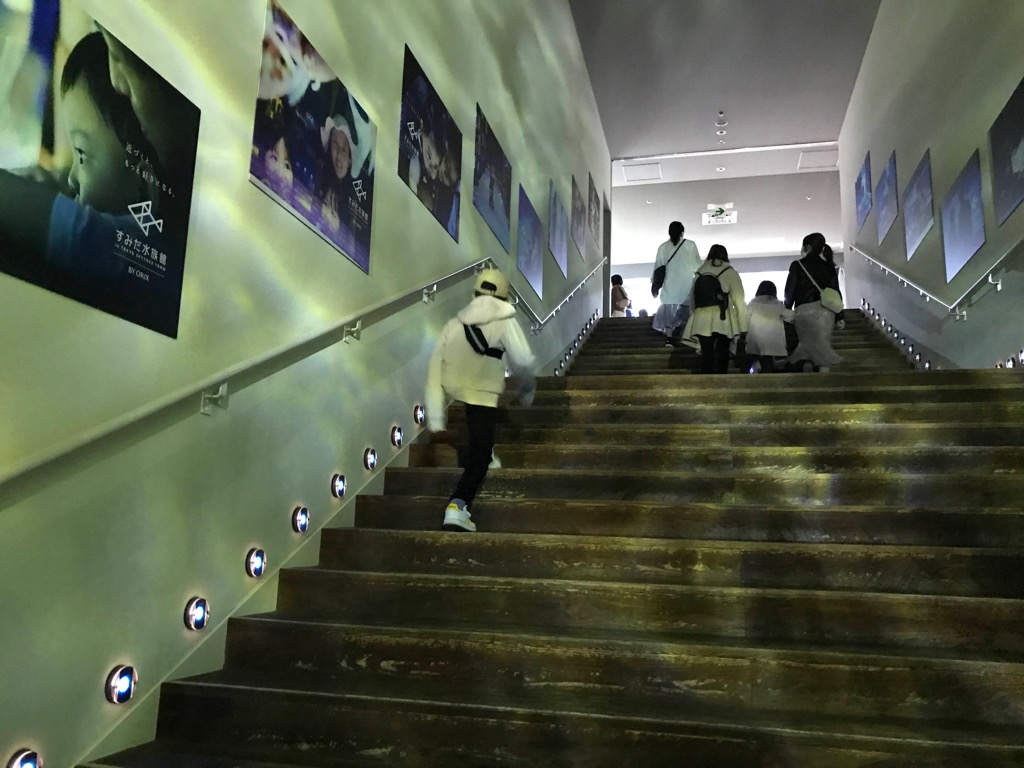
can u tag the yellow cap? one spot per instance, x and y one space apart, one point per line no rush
491 282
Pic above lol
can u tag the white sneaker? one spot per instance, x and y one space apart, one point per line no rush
456 518
495 462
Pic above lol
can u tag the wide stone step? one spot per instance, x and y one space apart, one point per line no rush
168 754
776 459
276 723
696 390
656 674
740 413
868 568
686 362
952 378
822 489
872 619
969 526
629 350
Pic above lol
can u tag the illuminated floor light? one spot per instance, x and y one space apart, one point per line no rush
25 758
927 365
197 613
256 562
558 372
917 358
1011 362
370 458
419 414
396 437
338 486
903 341
910 349
121 684
300 520
561 365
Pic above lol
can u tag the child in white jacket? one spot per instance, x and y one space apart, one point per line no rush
766 336
468 365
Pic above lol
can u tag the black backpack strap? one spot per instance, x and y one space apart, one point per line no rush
478 342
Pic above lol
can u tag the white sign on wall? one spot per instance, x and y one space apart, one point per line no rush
718 216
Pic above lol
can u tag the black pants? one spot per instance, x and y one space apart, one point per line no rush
481 420
714 350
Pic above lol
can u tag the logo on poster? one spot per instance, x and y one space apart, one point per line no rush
143 215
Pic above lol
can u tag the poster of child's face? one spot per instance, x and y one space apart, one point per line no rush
888 205
863 192
558 230
312 143
530 243
492 182
106 224
579 220
594 211
963 218
918 212
429 147
1007 139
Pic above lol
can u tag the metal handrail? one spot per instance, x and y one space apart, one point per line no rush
985 278
538 321
213 391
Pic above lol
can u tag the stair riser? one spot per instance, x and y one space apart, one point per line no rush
974 528
989 626
775 461
864 413
677 394
825 490
710 437
684 364
957 572
954 378
341 658
284 726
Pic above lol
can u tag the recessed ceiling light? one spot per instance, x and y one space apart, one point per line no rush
648 202
809 197
721 141
721 132
720 168
721 123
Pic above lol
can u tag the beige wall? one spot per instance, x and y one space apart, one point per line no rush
100 551
935 77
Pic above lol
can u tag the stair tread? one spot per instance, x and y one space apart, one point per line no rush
610 709
660 643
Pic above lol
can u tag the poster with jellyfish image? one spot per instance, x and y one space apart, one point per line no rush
312 143
558 230
530 244
887 203
492 182
1007 139
862 192
579 220
963 218
918 207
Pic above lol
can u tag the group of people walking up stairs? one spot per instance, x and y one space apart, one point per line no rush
704 303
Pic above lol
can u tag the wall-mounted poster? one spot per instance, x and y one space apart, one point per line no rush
1007 138
429 147
530 244
885 196
863 192
594 211
579 220
312 144
109 227
918 213
492 182
558 230
963 218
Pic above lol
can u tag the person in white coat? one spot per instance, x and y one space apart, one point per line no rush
681 260
714 326
766 334
468 365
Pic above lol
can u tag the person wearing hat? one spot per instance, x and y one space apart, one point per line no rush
468 365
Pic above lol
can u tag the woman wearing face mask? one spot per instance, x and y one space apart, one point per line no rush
808 276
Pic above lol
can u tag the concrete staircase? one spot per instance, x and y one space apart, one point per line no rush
789 570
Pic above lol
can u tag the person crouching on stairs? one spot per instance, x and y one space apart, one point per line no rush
468 365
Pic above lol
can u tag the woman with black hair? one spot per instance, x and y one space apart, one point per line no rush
813 273
719 310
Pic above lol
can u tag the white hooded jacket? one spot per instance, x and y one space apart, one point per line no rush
459 371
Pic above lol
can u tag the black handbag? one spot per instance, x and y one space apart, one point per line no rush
658 278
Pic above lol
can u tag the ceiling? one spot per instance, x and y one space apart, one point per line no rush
781 71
